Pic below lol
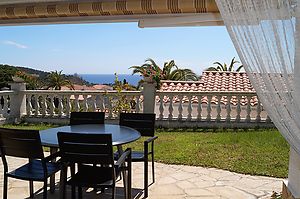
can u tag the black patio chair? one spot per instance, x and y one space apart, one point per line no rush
144 123
77 118
26 144
93 153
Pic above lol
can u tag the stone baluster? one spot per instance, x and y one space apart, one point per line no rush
238 109
43 105
190 108
51 105
137 105
5 106
28 105
128 100
199 109
208 117
1 106
77 105
110 115
180 108
171 109
161 107
248 117
60 105
68 106
101 103
94 105
36 105
228 109
218 119
258 110
85 103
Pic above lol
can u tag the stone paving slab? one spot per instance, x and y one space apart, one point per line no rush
172 182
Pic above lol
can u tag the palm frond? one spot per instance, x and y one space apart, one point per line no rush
239 68
211 68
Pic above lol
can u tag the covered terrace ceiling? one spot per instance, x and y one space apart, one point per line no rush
149 13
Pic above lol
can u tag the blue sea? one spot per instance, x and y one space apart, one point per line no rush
110 78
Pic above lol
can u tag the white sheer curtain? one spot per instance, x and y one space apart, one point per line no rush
266 34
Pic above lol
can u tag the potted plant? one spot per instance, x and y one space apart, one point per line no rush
150 71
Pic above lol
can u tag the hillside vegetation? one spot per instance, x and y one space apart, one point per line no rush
7 71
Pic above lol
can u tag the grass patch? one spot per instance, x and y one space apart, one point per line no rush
255 152
29 126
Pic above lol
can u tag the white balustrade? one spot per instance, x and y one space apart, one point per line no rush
5 97
186 106
59 104
222 107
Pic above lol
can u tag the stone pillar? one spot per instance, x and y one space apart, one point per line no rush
149 93
17 101
291 187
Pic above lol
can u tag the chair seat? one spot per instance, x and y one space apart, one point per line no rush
136 156
95 175
34 171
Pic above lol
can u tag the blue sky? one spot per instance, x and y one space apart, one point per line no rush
108 48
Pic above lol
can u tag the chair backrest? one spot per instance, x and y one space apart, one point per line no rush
86 148
142 122
21 143
87 118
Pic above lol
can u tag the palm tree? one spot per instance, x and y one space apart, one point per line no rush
55 80
170 71
225 67
184 75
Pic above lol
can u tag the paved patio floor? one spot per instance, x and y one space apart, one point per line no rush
172 182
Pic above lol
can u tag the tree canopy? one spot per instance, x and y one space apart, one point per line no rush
169 71
226 68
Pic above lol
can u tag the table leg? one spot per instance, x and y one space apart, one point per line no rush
125 177
52 178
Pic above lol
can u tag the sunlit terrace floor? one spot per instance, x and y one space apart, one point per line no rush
172 182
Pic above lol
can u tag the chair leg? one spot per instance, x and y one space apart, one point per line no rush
129 183
72 168
146 178
80 192
62 184
31 189
45 189
73 194
5 187
113 192
153 175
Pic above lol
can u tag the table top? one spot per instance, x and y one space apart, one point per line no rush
120 134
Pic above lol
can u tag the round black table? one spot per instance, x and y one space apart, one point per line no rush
120 134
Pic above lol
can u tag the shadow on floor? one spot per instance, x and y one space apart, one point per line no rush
91 194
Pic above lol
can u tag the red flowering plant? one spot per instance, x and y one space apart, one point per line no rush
150 71
31 80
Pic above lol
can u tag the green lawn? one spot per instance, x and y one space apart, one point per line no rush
255 152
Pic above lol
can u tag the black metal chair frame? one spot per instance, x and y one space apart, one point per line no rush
26 144
145 124
93 155
77 118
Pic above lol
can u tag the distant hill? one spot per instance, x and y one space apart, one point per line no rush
7 71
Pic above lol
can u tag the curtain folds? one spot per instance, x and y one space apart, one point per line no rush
266 35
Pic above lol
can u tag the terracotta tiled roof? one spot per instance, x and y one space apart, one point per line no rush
86 88
213 81
102 87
